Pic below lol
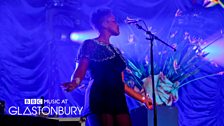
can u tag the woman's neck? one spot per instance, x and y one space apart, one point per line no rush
104 38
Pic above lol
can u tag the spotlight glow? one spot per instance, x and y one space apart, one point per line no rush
74 36
81 36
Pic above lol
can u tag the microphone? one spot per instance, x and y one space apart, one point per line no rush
131 21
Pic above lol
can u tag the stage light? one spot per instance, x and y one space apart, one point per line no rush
81 36
74 36
63 37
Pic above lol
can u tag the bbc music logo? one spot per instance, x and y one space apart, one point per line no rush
33 101
34 107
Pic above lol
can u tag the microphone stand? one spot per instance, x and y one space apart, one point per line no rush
151 38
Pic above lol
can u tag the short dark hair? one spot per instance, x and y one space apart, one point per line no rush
98 17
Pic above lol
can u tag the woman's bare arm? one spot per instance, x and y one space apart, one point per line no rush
137 96
78 75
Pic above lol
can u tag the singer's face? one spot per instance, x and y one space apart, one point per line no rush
112 25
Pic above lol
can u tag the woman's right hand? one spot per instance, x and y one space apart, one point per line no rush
69 86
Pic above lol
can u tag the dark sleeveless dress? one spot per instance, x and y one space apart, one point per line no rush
105 93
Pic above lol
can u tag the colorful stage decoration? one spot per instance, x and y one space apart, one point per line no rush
173 70
211 3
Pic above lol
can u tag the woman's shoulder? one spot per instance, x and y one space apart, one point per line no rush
88 42
96 51
88 45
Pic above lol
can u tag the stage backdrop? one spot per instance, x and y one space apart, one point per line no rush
37 53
